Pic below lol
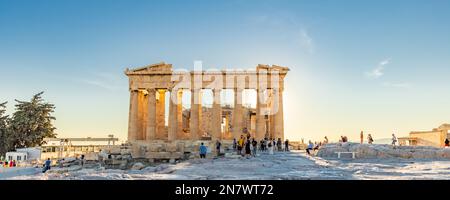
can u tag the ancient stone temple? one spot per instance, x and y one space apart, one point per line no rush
153 87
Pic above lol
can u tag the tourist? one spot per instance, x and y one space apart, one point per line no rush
247 149
326 140
47 165
14 163
316 146
279 144
240 145
218 144
274 143
310 147
286 145
261 144
394 140
362 137
202 150
61 162
270 147
255 147
369 139
234 144
82 160
447 143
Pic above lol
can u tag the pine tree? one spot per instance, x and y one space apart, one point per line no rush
32 122
4 143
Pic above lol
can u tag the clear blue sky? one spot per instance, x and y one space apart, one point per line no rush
378 66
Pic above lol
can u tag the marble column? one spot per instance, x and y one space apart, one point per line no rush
216 116
161 114
133 116
151 123
196 106
238 115
279 122
173 111
260 115
179 107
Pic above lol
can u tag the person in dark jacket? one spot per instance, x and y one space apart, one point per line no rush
247 148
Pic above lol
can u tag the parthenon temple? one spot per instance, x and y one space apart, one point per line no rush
153 87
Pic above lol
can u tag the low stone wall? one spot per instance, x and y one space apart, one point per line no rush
384 151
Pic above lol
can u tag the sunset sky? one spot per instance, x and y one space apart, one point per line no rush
378 66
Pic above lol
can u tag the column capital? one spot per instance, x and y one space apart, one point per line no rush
195 89
217 89
278 89
238 89
151 90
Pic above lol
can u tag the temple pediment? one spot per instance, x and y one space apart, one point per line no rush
157 67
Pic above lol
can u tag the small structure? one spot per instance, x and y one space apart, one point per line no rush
16 156
57 148
434 138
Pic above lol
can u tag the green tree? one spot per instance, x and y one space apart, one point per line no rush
4 119
32 122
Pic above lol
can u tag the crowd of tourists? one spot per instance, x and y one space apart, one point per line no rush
248 146
5 163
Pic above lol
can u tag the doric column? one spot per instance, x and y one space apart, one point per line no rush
179 106
173 111
161 114
237 114
195 114
260 115
216 116
151 123
279 122
133 116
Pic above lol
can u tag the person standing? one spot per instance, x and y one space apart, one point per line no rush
270 147
362 137
240 145
255 147
394 140
447 143
234 144
286 145
369 139
202 150
247 148
326 140
218 144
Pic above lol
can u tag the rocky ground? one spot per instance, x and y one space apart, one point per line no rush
280 166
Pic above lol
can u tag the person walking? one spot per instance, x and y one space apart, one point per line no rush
310 147
369 139
47 165
202 150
